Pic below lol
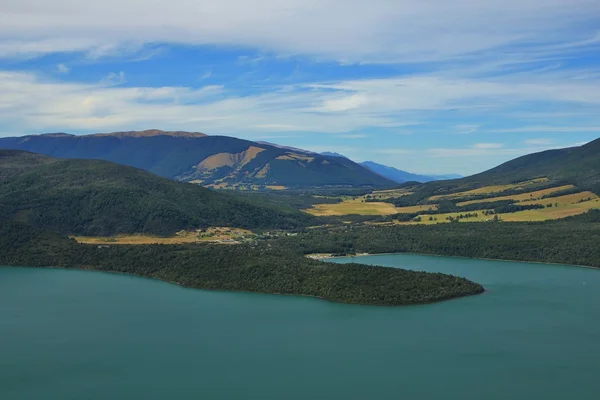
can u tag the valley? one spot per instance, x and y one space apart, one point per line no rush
550 204
551 185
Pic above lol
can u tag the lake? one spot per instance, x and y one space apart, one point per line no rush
66 334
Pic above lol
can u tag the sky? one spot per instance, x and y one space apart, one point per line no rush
428 86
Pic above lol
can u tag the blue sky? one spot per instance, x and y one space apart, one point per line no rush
429 87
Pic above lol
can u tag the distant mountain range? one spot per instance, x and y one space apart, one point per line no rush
215 161
399 176
395 174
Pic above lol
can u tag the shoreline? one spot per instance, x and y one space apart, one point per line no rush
87 269
331 256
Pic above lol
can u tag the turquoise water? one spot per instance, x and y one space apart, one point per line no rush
535 334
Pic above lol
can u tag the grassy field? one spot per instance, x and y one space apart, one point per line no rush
489 190
568 205
210 235
523 197
348 207
562 206
564 200
361 207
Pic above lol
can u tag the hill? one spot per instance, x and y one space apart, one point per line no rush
578 166
400 176
95 197
216 161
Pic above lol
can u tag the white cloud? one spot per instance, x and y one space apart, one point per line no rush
344 103
379 30
114 79
488 146
539 142
62 69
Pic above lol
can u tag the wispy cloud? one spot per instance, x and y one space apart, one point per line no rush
488 146
113 79
62 69
383 31
343 107
539 142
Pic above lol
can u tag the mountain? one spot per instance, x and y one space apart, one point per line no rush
216 161
400 176
579 166
95 197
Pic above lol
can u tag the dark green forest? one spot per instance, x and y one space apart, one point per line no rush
268 267
574 240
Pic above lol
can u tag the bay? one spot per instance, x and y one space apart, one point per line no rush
67 334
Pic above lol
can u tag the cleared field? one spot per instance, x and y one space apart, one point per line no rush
489 190
359 207
564 200
211 235
415 209
134 239
352 207
276 187
568 206
562 211
523 197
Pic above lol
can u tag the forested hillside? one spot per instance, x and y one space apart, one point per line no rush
93 197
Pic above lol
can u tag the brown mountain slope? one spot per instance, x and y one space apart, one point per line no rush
217 161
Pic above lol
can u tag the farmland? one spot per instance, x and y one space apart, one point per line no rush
524 186
549 202
361 207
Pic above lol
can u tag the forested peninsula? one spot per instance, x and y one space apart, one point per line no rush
265 267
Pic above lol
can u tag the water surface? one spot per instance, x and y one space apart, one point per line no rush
86 335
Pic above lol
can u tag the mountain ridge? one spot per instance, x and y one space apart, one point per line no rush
182 155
